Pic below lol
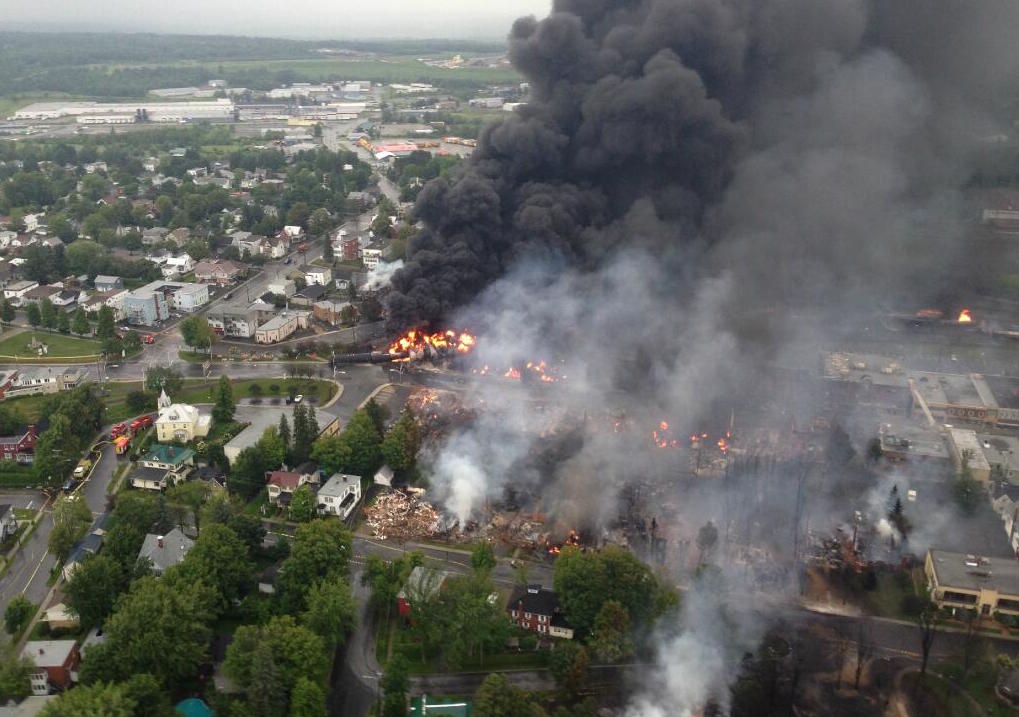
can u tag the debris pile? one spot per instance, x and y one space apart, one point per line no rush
402 516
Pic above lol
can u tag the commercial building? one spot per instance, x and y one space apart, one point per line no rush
152 303
973 582
146 308
329 425
234 319
339 495
280 327
33 381
151 110
967 449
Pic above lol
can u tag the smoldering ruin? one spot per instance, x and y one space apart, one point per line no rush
694 192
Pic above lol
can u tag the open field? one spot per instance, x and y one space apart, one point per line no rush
59 345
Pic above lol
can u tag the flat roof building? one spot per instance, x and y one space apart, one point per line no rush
973 582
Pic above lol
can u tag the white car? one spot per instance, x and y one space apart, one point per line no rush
298 398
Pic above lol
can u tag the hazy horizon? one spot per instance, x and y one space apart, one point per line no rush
304 19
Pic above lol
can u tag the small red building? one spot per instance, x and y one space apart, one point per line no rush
423 583
56 663
537 609
20 446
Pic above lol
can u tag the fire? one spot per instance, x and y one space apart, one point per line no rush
540 369
416 341
965 316
662 437
572 539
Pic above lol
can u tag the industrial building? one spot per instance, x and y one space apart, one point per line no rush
280 327
151 110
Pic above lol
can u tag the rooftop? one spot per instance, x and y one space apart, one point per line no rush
49 653
338 485
973 572
174 455
533 598
175 545
284 479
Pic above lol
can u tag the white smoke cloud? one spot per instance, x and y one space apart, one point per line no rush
382 274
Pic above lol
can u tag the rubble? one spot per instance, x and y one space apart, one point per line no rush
402 516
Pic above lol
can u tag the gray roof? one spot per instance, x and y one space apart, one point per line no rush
49 653
338 484
972 572
175 546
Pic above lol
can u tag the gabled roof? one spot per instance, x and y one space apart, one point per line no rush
534 599
175 546
284 480
173 455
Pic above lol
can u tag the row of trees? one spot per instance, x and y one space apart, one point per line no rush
365 444
287 442
74 419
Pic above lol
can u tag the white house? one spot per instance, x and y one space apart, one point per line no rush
318 275
282 287
177 265
339 495
371 257
294 232
114 299
16 291
32 221
180 422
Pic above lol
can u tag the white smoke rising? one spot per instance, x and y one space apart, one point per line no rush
382 274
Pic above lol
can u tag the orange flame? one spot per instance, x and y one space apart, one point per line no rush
965 316
449 340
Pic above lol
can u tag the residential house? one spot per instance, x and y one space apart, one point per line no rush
104 282
19 446
275 247
179 236
422 584
180 422
339 495
282 287
33 221
267 580
162 467
56 664
253 433
8 521
82 550
331 312
218 271
189 297
155 235
349 248
212 476
370 257
65 298
59 617
38 294
282 484
162 552
309 295
15 291
6 237
536 609
294 232
280 327
114 299
175 266
318 275
44 380
972 582
253 244
236 319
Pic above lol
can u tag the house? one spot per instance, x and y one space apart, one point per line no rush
349 248
212 476
280 327
164 551
19 446
189 297
282 287
973 582
318 275
218 271
175 266
15 291
339 495
104 282
282 484
331 312
65 298
275 247
8 522
294 232
247 242
371 257
180 422
236 319
422 584
82 550
58 617
56 663
38 294
309 295
30 382
113 298
162 467
536 609
250 436
179 236
33 221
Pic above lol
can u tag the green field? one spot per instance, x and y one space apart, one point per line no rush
59 346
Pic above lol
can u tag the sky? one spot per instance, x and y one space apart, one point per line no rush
312 19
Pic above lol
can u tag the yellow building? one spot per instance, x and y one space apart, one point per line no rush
180 422
972 582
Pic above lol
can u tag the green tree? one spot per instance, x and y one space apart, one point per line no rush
132 342
17 614
159 378
161 627
63 323
140 402
498 698
80 323
303 504
192 495
293 651
395 685
483 558
321 549
33 315
197 333
15 683
611 639
327 249
319 223
48 314
331 611
387 578
94 587
308 699
223 410
149 698
332 454
273 448
247 474
105 328
71 521
83 254
401 444
284 431
570 663
220 560
305 433
298 214
107 700
7 311
364 442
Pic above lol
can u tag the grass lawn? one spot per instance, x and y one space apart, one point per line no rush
979 683
16 475
254 507
886 599
939 698
59 346
202 391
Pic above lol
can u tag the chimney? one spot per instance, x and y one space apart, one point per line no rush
159 540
